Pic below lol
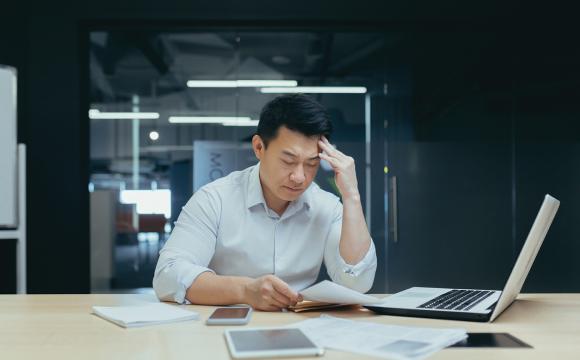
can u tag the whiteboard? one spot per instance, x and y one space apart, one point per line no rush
8 173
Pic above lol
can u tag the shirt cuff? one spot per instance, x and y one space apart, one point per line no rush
185 280
355 270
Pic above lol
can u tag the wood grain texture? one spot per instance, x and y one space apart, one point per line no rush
62 327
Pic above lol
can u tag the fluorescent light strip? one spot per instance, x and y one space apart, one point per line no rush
239 83
96 114
261 83
212 83
315 90
241 123
206 119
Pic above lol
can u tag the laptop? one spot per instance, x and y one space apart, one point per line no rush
471 304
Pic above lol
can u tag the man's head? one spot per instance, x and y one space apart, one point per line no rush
286 143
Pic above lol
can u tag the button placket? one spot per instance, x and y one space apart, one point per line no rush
275 257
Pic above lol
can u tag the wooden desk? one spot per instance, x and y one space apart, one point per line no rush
61 327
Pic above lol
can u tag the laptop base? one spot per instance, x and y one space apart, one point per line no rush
446 315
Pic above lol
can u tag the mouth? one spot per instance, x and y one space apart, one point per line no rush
295 190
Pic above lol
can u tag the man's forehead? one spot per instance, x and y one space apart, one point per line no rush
292 143
296 154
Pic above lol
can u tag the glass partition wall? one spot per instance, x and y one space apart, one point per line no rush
457 134
172 111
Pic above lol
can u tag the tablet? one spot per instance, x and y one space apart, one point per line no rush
270 342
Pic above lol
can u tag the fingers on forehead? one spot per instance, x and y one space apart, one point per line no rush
328 148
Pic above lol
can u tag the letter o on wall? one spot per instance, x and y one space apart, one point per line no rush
215 174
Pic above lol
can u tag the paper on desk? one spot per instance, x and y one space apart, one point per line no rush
141 315
327 291
385 341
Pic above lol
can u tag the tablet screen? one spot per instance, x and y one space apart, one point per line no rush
269 339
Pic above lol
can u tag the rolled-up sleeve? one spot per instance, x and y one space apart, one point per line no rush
359 276
189 249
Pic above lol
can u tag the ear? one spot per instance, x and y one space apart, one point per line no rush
258 146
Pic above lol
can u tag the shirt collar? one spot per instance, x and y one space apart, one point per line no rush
256 196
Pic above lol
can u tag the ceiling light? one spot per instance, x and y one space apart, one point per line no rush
239 83
96 114
212 83
241 123
315 90
205 119
261 83
154 135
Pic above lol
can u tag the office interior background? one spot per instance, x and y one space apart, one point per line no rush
469 116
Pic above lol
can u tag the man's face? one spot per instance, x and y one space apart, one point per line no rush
289 163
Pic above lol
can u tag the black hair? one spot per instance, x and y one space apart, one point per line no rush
297 112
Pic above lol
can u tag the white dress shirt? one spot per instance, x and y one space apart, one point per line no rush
227 228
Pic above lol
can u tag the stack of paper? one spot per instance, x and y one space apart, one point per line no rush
385 341
327 294
308 305
142 315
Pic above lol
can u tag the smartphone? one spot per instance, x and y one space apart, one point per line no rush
231 315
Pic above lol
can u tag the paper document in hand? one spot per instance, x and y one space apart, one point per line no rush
327 291
307 305
141 315
385 341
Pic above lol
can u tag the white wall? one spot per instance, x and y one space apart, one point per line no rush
8 209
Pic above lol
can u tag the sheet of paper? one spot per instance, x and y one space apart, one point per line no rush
385 341
141 315
327 291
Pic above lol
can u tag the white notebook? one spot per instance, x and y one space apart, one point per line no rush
142 315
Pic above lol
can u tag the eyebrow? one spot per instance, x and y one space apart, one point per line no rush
288 153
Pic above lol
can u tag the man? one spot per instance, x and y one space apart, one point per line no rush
259 236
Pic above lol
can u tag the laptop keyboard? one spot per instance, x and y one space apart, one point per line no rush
457 300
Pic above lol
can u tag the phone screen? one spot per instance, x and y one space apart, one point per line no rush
230 313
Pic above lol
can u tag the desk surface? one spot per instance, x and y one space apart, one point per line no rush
61 326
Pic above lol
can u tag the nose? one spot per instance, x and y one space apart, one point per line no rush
297 176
